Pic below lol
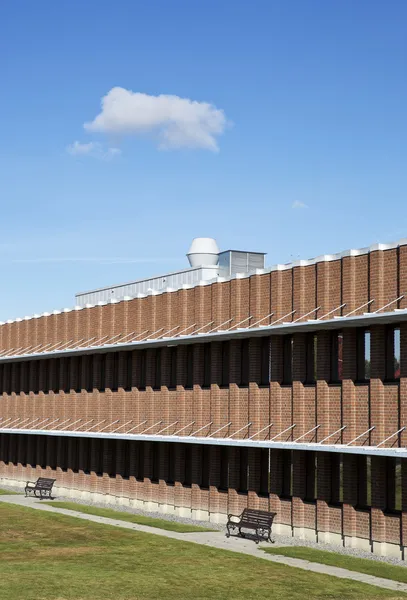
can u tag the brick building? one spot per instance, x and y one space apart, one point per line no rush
282 388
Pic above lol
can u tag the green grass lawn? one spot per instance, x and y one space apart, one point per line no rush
48 556
130 518
361 565
7 493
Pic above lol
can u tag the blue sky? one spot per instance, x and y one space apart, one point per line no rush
314 98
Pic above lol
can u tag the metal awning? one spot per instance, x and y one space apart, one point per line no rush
208 439
174 337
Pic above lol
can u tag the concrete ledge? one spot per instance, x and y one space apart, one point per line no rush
304 533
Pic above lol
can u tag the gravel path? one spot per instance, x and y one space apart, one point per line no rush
281 540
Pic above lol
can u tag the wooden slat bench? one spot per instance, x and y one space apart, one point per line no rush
259 520
43 486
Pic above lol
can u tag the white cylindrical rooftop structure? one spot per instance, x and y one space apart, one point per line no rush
203 251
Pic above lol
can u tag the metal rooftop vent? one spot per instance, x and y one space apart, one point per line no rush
203 251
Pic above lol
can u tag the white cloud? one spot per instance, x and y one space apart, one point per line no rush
93 149
177 122
298 204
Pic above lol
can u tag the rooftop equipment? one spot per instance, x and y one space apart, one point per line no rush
206 264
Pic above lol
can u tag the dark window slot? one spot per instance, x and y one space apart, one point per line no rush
140 461
310 476
310 362
143 368
187 479
363 355
243 469
190 367
128 362
244 362
102 372
205 466
115 371
207 365
287 360
225 363
171 463
155 462
157 370
224 468
173 367
287 472
264 472
265 363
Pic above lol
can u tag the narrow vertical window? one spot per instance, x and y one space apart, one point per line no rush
57 376
13 449
14 385
265 364
143 369
187 479
7 378
89 372
67 375
364 494
155 462
15 378
63 453
205 464
78 373
87 455
157 370
115 371
22 450
310 476
336 356
225 360
393 484
126 458
363 355
392 353
286 472
243 469
336 495
25 371
244 362
397 353
128 367
224 468
140 461
264 471
74 443
207 365
46 376
112 457
173 367
102 372
99 454
171 463
287 360
310 352
190 367
35 376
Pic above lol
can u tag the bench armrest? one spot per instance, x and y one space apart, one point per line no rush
30 483
234 516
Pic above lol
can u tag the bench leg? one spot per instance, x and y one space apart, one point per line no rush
228 530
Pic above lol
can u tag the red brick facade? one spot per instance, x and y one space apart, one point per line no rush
323 497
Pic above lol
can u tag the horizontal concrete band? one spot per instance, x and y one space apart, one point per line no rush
337 448
365 320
